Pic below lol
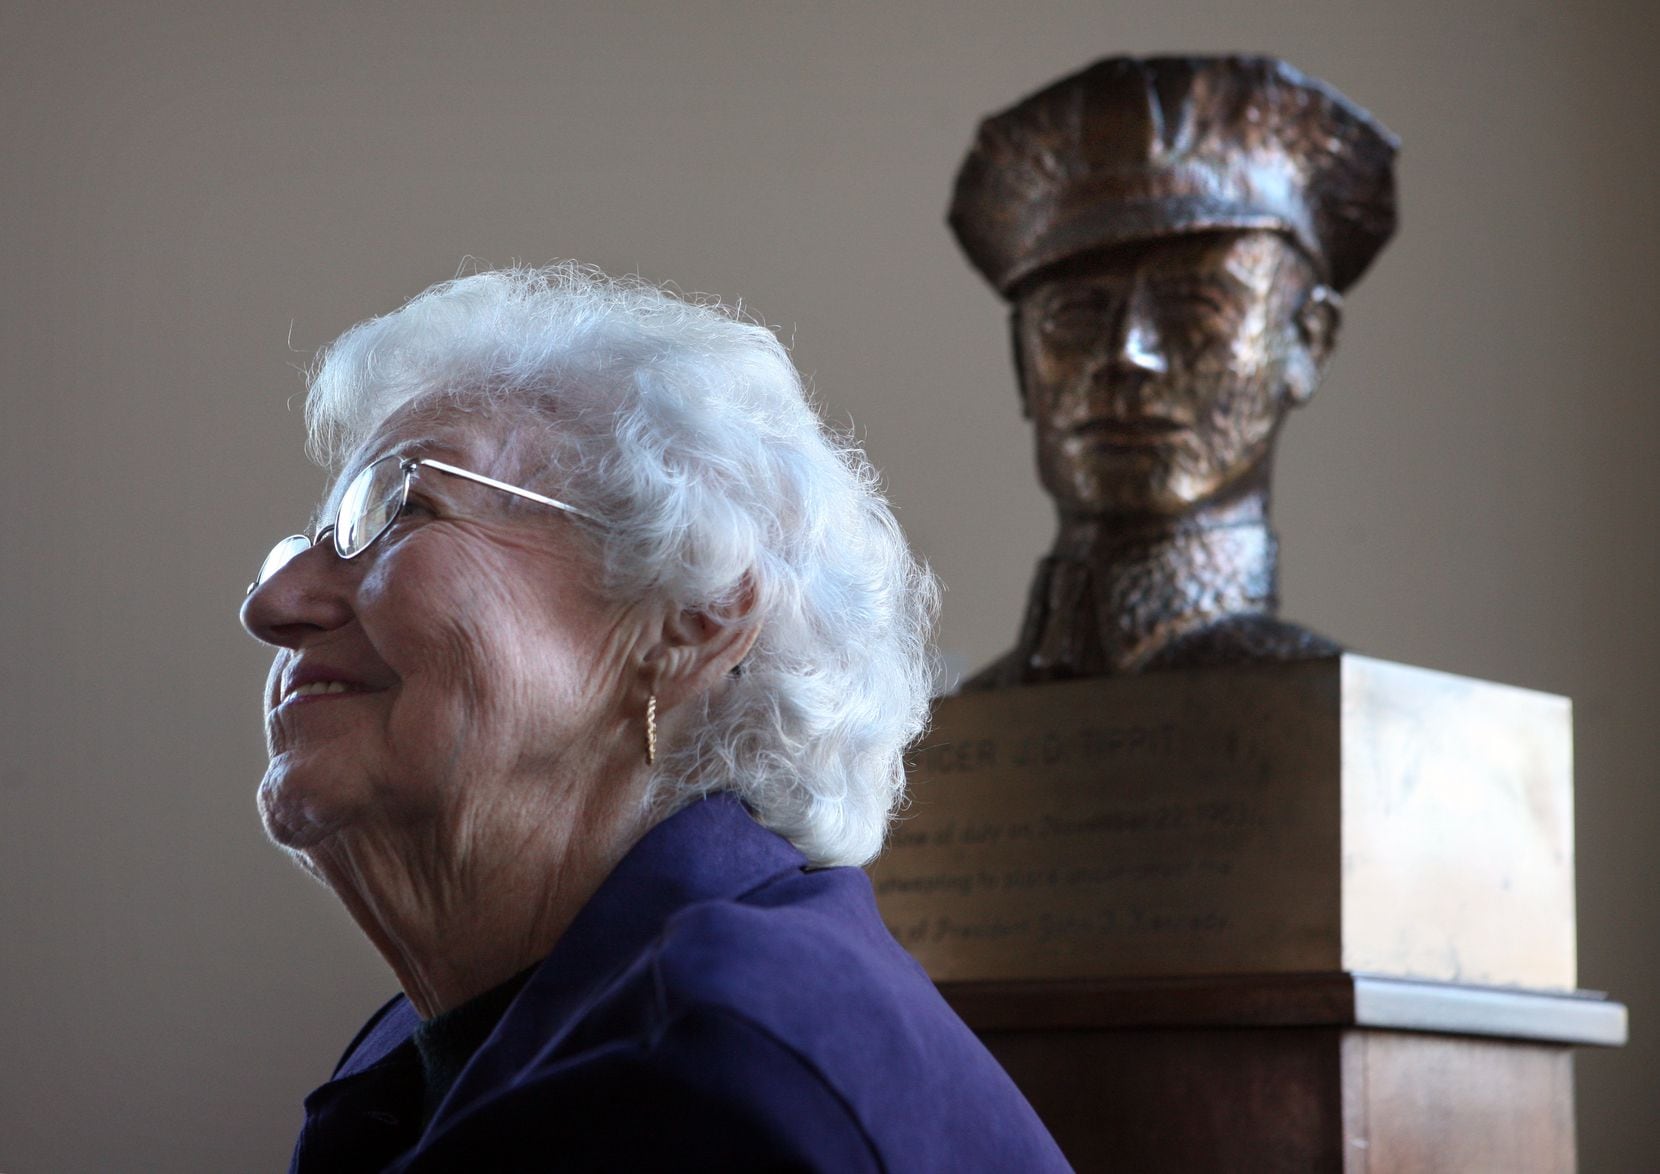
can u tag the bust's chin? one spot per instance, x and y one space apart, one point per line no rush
1137 495
1162 502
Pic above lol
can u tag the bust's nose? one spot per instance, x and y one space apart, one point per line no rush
1136 345
1129 361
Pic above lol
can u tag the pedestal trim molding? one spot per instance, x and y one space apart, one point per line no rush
1330 999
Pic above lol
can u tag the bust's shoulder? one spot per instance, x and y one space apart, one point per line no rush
1007 671
1243 639
1237 639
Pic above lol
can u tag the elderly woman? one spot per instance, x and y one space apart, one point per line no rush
589 690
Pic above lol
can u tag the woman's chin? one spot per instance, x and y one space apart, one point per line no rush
299 813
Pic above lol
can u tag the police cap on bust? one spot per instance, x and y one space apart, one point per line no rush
1133 149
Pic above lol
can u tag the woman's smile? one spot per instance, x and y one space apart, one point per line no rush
317 682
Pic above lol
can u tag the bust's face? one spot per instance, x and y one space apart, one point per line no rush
1156 375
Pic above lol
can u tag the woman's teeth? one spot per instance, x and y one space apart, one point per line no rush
318 687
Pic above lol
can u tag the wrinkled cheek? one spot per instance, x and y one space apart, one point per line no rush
430 731
446 713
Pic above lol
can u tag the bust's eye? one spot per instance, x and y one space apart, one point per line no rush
1078 320
1192 297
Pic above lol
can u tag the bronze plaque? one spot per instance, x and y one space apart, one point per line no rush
1335 814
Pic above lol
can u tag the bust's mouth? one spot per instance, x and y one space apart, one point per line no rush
1132 432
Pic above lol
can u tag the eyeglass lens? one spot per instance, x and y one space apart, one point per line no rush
281 555
369 505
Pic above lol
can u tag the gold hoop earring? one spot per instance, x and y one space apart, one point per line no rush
651 729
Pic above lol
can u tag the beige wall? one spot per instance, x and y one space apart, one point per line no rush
196 196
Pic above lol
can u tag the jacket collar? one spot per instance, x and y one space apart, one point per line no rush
709 851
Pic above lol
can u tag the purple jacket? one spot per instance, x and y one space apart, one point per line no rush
715 1006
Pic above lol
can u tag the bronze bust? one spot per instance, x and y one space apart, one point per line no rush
1173 235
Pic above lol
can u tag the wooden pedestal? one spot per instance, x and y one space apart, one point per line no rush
1305 1073
1315 916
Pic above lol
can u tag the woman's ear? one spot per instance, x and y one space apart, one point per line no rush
698 647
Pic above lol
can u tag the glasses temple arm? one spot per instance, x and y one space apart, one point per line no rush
427 462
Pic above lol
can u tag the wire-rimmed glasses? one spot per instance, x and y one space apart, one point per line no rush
373 501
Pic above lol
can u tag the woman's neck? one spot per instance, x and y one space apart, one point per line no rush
454 918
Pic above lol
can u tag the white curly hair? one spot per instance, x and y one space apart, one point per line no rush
684 428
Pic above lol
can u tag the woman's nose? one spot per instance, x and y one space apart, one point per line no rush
308 596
